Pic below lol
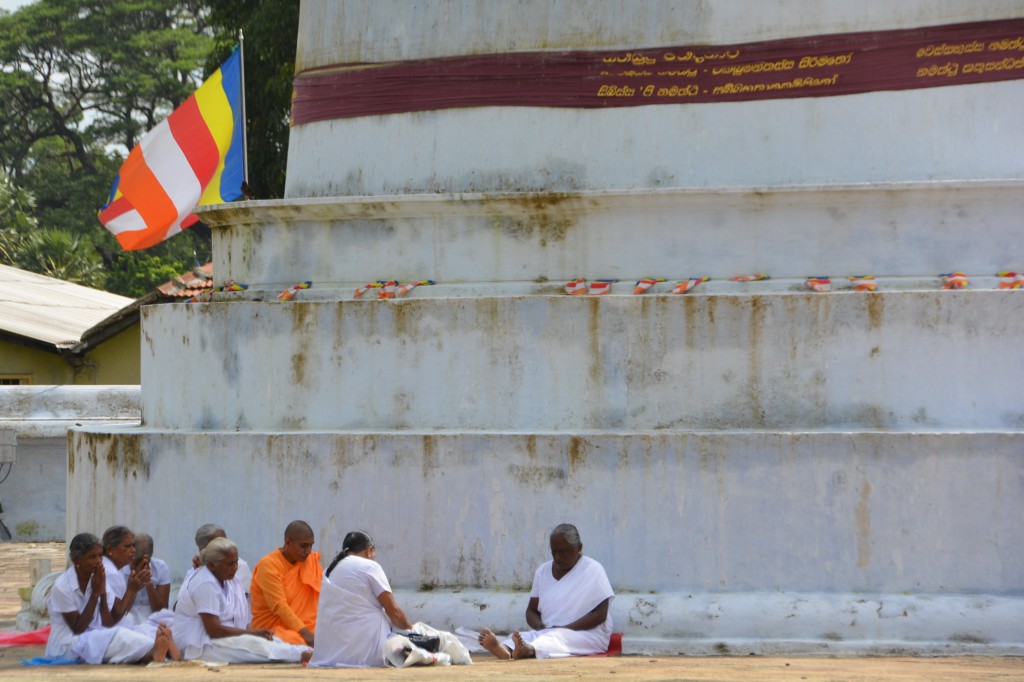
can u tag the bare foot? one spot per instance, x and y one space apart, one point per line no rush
306 655
172 648
160 647
490 642
522 650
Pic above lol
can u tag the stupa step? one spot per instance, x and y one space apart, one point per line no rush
711 512
900 229
889 360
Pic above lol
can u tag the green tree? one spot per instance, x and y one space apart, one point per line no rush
81 79
61 254
16 220
95 71
139 273
271 29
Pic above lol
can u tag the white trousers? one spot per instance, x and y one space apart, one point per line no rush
250 649
112 645
563 642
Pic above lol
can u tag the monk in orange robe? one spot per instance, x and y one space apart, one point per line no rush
286 587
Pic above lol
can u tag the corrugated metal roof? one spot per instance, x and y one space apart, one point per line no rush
51 310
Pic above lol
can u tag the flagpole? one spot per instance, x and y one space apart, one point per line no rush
245 138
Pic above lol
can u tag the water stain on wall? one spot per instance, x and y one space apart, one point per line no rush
298 367
596 369
122 453
429 455
536 475
577 453
863 520
876 310
754 388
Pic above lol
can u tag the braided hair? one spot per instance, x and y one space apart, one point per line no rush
356 541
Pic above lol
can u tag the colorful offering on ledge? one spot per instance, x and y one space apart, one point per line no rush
289 293
403 289
1010 280
954 280
645 284
366 287
863 282
577 287
820 284
600 287
688 284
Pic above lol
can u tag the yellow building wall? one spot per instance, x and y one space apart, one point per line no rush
38 366
118 360
115 361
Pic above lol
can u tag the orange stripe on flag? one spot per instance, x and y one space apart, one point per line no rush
143 190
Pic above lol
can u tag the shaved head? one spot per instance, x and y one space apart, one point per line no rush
297 530
298 541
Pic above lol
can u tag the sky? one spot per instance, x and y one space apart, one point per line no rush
11 5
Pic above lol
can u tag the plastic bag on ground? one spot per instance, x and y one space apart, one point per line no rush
399 652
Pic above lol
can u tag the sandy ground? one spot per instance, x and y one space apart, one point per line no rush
14 573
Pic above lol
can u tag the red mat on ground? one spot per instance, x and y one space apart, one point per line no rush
33 638
614 646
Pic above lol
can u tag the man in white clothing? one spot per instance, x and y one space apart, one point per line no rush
569 608
211 531
156 594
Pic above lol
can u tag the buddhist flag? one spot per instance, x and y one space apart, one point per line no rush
577 287
688 284
645 284
193 158
863 282
820 284
1010 280
601 287
954 280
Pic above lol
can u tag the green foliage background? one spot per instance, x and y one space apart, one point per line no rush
83 81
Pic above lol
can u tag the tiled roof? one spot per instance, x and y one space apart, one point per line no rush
189 284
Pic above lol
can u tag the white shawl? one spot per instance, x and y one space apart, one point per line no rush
580 590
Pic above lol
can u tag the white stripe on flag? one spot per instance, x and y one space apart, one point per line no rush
129 221
172 170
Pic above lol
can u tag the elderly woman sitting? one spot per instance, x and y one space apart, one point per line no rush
126 575
568 609
212 618
83 628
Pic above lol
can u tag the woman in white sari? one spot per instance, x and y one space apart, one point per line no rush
212 617
126 576
357 609
569 606
82 625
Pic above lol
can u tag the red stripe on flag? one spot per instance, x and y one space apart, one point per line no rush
116 208
140 187
193 136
